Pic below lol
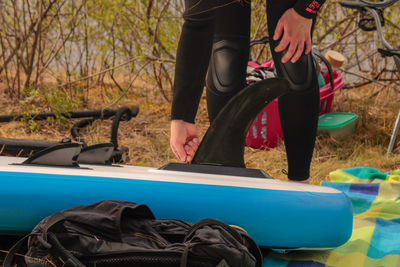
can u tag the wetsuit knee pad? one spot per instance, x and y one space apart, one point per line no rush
227 68
301 74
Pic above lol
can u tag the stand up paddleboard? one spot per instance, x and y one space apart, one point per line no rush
275 213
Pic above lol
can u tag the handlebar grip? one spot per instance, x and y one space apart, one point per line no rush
361 4
382 4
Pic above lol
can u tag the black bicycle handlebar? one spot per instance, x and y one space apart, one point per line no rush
382 4
97 113
362 4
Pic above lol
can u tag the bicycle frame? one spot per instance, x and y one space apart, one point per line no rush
390 51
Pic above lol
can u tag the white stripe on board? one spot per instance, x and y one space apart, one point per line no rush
152 174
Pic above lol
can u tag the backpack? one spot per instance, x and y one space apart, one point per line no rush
119 233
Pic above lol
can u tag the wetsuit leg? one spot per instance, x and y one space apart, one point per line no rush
298 109
227 68
194 50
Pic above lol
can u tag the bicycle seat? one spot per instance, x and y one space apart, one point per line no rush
361 4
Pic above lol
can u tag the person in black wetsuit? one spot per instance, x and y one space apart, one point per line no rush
216 35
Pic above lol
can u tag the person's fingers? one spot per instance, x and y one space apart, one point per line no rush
179 151
178 139
193 145
282 44
278 30
196 141
308 46
298 53
289 53
189 153
189 150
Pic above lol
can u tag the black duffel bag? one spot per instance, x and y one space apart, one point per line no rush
118 233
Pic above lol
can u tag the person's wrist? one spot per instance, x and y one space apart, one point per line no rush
301 12
175 124
300 15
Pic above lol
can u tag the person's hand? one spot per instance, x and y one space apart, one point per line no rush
184 140
296 32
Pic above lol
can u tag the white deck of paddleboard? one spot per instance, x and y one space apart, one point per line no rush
8 164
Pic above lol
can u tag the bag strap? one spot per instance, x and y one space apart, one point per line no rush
53 244
184 257
42 237
13 250
51 221
69 259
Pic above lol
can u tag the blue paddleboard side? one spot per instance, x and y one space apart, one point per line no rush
274 218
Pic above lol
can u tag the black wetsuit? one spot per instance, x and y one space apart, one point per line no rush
213 24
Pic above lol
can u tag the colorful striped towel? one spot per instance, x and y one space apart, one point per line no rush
376 232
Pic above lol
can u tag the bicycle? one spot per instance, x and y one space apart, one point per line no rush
367 23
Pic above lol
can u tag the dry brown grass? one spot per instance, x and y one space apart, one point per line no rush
147 136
